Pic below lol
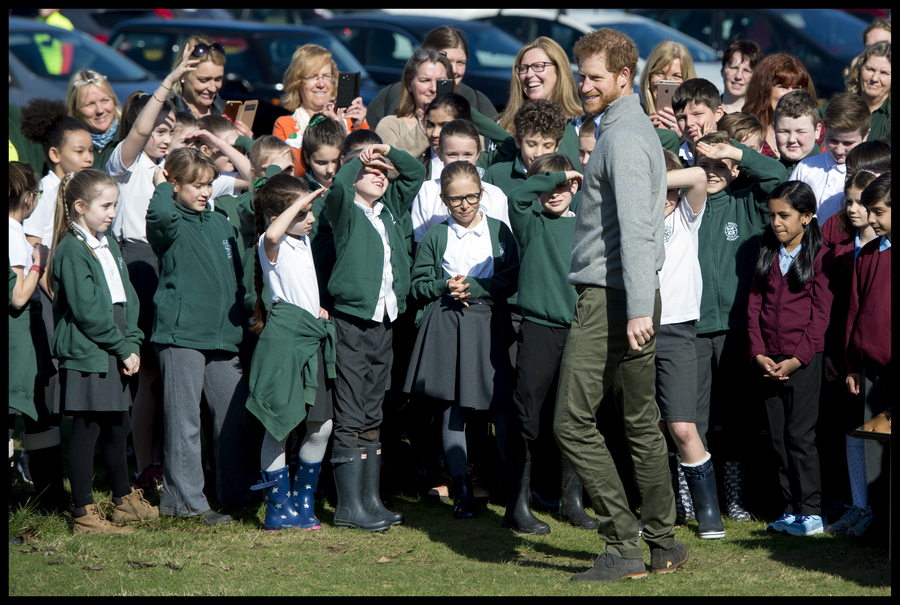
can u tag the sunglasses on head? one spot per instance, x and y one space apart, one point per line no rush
87 79
201 49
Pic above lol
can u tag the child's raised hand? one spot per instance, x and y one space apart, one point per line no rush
160 176
574 175
852 381
719 151
372 152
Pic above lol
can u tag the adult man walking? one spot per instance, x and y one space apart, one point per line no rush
617 252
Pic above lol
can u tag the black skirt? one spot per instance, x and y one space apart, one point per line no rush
106 392
323 411
461 354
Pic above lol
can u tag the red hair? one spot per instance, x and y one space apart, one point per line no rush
780 68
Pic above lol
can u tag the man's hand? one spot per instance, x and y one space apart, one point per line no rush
639 330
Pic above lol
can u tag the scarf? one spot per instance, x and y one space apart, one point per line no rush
102 140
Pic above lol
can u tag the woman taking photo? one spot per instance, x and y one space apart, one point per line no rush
774 77
740 59
91 99
541 71
310 85
405 130
668 60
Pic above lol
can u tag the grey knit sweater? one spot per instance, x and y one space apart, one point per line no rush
619 230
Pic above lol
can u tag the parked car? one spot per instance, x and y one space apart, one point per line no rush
33 74
825 40
258 55
284 16
384 42
566 27
98 22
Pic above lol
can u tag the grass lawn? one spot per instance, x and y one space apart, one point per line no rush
432 554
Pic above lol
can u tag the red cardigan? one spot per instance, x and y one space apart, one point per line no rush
793 324
869 316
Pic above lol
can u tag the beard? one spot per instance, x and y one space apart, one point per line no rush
598 105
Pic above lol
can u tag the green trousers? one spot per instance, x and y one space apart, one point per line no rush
597 358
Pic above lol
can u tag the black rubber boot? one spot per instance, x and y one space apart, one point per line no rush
371 483
572 509
518 515
701 481
348 479
463 498
47 474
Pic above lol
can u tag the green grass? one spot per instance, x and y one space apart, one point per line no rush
432 554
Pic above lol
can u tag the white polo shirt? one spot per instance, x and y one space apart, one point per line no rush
110 268
40 223
826 178
291 278
428 209
387 299
135 190
680 281
20 252
469 251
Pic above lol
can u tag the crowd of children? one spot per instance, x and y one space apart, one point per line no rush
194 286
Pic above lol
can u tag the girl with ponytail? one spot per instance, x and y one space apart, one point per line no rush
288 371
97 343
789 308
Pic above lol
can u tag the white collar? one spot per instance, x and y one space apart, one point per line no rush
295 242
92 241
54 180
16 226
479 229
376 208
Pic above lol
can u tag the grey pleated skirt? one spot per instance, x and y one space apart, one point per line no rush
106 392
461 354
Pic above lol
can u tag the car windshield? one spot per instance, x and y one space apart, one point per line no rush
647 35
838 32
492 48
59 54
280 50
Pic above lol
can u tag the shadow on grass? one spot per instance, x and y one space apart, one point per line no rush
868 567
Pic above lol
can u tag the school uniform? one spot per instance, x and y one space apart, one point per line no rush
290 129
680 288
547 303
785 324
291 339
369 283
197 330
460 352
428 209
826 178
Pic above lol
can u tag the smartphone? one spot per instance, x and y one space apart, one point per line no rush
231 109
247 113
665 89
348 89
445 85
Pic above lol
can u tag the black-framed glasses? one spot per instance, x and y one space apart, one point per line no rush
201 49
535 67
471 199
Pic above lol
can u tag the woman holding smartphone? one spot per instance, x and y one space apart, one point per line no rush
310 84
668 61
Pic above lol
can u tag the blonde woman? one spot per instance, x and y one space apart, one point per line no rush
870 77
91 99
668 60
541 71
198 91
310 86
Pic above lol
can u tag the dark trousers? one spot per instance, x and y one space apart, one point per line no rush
793 409
363 364
537 367
598 358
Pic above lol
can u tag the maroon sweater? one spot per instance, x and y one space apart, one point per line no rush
840 277
869 316
788 323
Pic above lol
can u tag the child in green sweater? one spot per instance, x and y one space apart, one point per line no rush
547 302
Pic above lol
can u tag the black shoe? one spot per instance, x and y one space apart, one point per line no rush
667 560
609 568
463 498
518 515
348 479
701 481
572 509
371 494
211 517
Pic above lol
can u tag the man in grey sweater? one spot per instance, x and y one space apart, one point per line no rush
617 252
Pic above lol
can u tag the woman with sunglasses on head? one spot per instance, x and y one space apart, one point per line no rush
310 87
198 91
91 99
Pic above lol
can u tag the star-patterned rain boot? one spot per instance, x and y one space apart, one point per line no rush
280 511
303 494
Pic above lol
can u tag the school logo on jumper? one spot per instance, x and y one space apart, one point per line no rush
227 247
731 231
502 247
668 234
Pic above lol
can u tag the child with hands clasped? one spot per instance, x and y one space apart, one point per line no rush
466 268
97 343
369 283
788 311
547 302
291 337
680 288
198 328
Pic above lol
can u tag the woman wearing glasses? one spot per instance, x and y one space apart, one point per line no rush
310 86
541 71
91 99
667 61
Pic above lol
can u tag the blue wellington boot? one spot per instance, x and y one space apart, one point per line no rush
280 511
303 494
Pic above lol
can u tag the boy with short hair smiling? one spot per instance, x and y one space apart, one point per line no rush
540 126
697 107
586 141
847 124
